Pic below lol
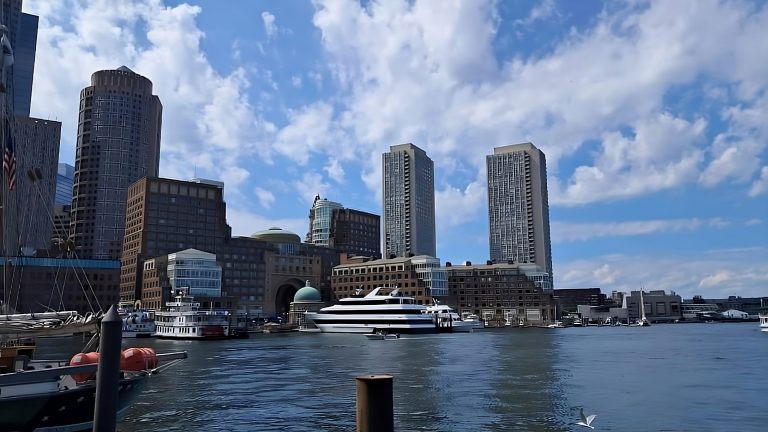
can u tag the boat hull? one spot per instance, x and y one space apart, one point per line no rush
66 410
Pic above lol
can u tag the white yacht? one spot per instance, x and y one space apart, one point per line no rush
376 312
138 324
183 319
449 320
763 315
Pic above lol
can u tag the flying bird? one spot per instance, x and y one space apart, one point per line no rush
586 421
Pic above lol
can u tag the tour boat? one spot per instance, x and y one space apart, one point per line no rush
184 319
375 312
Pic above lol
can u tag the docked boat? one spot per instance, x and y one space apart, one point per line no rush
643 321
448 319
137 323
763 316
53 395
184 319
374 312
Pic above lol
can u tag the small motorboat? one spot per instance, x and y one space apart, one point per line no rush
382 336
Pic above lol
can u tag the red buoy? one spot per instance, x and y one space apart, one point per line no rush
84 359
138 359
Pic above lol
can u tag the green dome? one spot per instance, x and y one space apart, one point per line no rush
307 294
277 235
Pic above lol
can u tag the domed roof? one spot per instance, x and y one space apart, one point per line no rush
307 294
277 235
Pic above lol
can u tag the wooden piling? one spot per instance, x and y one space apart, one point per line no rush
108 374
375 412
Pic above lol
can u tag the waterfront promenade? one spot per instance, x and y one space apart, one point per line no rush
703 377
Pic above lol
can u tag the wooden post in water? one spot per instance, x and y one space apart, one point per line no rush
108 374
375 411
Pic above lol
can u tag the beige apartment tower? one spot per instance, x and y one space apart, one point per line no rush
518 209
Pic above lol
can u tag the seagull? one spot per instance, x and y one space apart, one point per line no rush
586 421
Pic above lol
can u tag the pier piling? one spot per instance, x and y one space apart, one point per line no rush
108 374
375 411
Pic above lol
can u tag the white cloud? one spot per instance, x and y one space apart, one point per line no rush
455 206
760 186
234 176
334 170
742 272
310 185
753 221
245 223
541 11
425 72
310 130
563 232
266 198
269 24
296 81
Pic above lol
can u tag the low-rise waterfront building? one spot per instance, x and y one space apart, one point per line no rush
420 277
499 292
568 299
659 306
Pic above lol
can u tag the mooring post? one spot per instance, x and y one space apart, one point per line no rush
374 403
108 374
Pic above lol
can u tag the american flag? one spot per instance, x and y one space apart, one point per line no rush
9 158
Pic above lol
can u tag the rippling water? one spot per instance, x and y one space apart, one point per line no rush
666 377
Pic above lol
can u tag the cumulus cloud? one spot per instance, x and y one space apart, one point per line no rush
245 222
266 198
741 272
269 24
760 186
309 185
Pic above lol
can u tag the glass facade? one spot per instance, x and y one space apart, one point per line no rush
320 219
195 270
64 181
409 202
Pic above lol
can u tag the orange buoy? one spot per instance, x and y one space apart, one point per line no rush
138 359
84 359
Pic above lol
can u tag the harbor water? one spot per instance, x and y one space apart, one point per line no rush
683 377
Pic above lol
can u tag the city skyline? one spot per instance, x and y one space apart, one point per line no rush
657 169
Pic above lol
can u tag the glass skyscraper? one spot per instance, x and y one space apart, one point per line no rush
518 206
409 202
118 142
64 181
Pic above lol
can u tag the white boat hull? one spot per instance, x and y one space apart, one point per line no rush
372 328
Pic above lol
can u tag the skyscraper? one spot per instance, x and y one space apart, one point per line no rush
409 202
118 142
518 208
64 181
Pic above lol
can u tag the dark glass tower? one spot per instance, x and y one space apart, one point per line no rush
118 142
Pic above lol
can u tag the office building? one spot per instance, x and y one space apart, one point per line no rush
568 299
29 208
420 277
518 208
164 216
499 293
659 306
409 202
22 34
64 181
346 230
118 142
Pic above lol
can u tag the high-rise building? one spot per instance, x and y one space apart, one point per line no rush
409 202
64 181
518 208
29 208
164 216
118 142
22 34
346 230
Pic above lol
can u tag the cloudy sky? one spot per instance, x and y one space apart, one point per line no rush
652 116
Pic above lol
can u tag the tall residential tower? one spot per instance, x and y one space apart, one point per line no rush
118 142
409 202
518 208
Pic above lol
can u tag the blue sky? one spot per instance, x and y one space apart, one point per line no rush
652 116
